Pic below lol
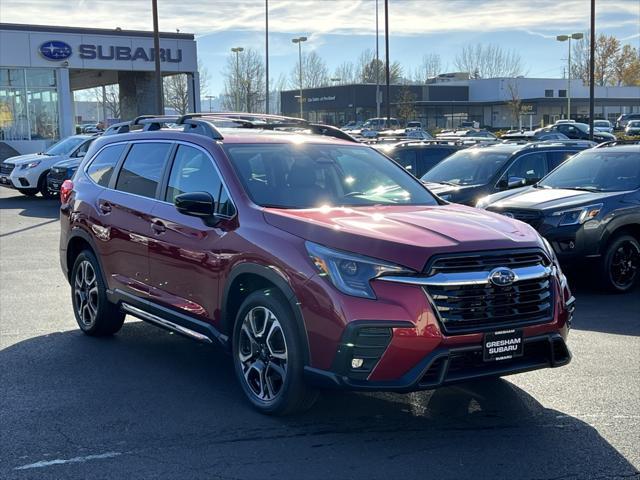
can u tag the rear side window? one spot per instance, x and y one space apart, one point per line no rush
429 158
142 169
193 171
101 168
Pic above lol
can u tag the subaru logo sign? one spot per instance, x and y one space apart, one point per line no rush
508 214
55 50
502 276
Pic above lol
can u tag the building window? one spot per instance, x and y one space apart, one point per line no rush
562 93
28 104
548 93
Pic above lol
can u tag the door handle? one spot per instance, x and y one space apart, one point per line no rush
105 207
158 227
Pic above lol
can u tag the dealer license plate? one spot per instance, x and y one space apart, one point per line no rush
502 345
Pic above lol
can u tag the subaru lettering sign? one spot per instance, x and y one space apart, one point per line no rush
55 50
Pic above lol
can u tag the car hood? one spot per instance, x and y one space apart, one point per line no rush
22 159
545 198
406 235
68 163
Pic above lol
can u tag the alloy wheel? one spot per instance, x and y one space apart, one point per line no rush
85 292
624 264
262 352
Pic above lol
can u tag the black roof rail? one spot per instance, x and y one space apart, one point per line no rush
139 118
146 119
617 143
262 121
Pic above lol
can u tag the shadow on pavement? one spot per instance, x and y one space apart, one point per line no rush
170 408
600 311
30 206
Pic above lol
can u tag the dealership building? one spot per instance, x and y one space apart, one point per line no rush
451 98
41 67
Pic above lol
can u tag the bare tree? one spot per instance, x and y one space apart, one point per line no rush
176 92
406 104
430 67
614 64
489 61
176 89
244 78
346 72
315 72
370 69
515 102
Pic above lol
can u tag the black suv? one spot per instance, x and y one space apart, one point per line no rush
469 175
418 157
580 131
588 208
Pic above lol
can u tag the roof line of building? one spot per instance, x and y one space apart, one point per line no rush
93 31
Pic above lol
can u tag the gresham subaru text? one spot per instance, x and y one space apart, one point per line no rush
315 261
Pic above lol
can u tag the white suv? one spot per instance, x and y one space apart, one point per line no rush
28 173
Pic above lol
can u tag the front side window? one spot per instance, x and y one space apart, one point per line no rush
468 167
598 171
142 169
530 167
406 157
101 167
81 151
193 171
308 176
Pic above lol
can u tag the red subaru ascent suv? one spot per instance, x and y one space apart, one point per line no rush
316 261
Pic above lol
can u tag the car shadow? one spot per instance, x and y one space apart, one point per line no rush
601 311
169 407
36 207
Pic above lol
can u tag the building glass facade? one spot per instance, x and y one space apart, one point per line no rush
28 104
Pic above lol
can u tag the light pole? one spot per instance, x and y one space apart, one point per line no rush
564 38
592 63
266 54
377 66
237 51
387 73
210 97
299 41
156 58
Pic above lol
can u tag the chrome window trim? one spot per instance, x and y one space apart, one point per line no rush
173 142
468 278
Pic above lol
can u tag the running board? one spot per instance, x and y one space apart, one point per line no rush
149 317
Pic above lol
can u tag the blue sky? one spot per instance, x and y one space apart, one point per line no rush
340 29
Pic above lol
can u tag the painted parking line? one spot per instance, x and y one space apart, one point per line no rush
60 461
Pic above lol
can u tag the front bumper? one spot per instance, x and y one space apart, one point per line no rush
447 366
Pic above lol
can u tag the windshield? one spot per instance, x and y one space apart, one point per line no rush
598 171
468 167
65 146
309 176
601 123
634 123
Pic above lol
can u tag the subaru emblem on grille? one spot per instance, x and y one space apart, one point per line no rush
508 214
502 276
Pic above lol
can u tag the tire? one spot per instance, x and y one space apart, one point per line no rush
268 355
620 267
43 188
29 192
96 316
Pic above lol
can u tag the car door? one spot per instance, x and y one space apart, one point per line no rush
184 255
125 211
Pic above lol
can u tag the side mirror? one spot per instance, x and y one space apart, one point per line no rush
515 182
198 204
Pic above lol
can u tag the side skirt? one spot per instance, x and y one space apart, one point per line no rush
167 318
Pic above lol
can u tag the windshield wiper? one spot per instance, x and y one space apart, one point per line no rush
584 189
445 183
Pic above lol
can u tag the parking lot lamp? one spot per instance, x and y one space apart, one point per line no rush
237 51
564 38
299 41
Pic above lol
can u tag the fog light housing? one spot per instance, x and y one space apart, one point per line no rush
357 362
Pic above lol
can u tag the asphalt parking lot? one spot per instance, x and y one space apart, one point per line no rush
148 404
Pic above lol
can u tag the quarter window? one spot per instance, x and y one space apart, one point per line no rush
142 169
193 171
102 166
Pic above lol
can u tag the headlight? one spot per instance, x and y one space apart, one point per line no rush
483 202
30 164
350 273
577 216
